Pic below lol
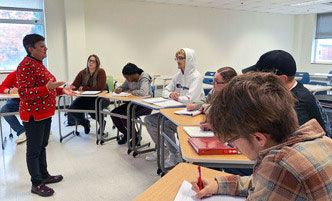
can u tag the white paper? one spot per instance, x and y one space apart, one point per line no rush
189 113
185 193
154 100
121 94
195 131
169 103
90 92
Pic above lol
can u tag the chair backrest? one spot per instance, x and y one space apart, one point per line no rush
153 88
110 83
319 83
208 81
206 91
302 77
329 78
210 73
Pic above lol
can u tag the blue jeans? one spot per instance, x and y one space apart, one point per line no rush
12 105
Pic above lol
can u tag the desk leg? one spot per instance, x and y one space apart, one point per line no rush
129 125
3 140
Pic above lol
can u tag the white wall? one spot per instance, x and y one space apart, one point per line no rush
304 33
149 34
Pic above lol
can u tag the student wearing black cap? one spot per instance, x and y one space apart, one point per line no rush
137 83
283 64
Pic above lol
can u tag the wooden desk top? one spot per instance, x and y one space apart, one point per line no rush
168 186
123 98
7 96
182 120
147 105
191 156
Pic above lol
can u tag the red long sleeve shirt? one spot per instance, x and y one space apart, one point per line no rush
36 100
9 82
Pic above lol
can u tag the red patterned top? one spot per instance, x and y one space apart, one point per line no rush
36 100
9 82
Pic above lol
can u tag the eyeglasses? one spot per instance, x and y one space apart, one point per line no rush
179 58
92 61
231 141
215 81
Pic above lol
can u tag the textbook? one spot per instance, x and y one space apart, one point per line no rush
164 102
210 146
121 94
195 131
185 193
188 113
90 92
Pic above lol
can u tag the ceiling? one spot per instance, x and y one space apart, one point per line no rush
294 7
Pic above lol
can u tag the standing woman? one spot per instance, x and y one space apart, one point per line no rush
91 78
38 89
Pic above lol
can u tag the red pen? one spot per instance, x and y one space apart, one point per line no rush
200 185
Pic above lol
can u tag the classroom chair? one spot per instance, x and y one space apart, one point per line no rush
319 83
210 73
302 77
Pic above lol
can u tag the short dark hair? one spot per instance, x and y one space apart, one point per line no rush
30 40
130 69
253 102
227 73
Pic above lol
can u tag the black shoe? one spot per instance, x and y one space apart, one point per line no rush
123 140
42 190
86 125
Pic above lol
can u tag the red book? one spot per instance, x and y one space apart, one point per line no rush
210 146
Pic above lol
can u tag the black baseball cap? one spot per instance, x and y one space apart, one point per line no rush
277 61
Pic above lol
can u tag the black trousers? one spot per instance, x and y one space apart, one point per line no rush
85 103
120 123
37 133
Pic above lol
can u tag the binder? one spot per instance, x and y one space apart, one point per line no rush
210 146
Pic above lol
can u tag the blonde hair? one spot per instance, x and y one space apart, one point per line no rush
180 52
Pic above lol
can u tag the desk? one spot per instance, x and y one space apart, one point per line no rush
100 138
6 97
316 88
220 161
179 120
168 186
76 111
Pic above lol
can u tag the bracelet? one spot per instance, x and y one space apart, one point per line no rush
9 90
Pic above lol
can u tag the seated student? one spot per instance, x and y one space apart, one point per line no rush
223 76
186 85
283 64
255 113
91 78
9 86
137 83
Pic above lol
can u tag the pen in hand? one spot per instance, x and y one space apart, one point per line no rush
200 185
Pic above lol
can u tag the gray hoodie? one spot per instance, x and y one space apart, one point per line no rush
140 88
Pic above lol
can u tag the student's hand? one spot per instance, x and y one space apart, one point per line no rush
118 90
14 90
51 84
190 107
174 95
201 108
80 88
210 187
205 126
69 90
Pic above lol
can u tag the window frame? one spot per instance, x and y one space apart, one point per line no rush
40 21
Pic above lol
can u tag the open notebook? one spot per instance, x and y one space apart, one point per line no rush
195 131
185 193
90 92
163 102
188 113
121 94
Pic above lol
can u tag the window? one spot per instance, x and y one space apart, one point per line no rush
322 50
17 19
